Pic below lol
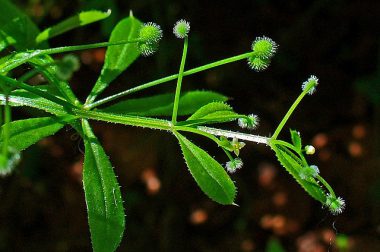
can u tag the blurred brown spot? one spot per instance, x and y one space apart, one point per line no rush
198 216
359 132
310 243
99 55
279 225
266 221
38 10
247 245
324 155
76 171
86 57
355 149
328 236
55 12
267 172
280 199
153 184
320 140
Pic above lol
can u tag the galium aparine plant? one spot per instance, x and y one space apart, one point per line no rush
130 39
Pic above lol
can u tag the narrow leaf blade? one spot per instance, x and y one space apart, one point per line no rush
207 172
296 139
103 196
119 57
24 133
81 19
162 105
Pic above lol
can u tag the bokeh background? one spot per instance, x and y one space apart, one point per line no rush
42 204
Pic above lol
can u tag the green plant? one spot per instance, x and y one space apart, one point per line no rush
130 39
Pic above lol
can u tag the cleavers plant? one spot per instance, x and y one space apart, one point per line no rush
21 44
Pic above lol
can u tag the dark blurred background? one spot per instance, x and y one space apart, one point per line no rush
42 204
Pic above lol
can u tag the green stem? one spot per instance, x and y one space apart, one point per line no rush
199 132
6 127
288 114
288 145
86 46
167 79
28 75
179 81
17 84
328 187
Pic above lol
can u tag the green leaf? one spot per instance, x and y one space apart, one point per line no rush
293 165
162 105
210 108
21 97
296 140
16 28
46 65
207 172
103 196
118 58
214 112
24 133
81 19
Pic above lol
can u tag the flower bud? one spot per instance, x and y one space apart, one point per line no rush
233 165
309 149
310 84
181 29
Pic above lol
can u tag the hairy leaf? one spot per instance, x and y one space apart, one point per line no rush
24 133
103 196
21 97
16 28
207 172
296 139
81 19
294 165
162 105
118 57
210 108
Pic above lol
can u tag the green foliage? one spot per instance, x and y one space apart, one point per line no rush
274 245
61 107
118 58
81 19
162 105
103 196
207 172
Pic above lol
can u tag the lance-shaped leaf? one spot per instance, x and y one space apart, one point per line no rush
20 97
296 140
24 133
207 172
162 105
103 196
118 57
81 19
294 165
16 28
214 112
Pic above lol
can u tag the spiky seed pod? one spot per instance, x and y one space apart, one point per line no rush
310 84
258 64
150 35
233 165
250 122
181 29
264 47
336 205
69 64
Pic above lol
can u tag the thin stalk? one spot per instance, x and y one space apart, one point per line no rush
17 84
28 75
179 81
6 127
167 79
86 46
232 134
328 187
289 113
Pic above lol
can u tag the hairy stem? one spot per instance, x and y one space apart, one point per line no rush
179 81
289 113
238 135
167 79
